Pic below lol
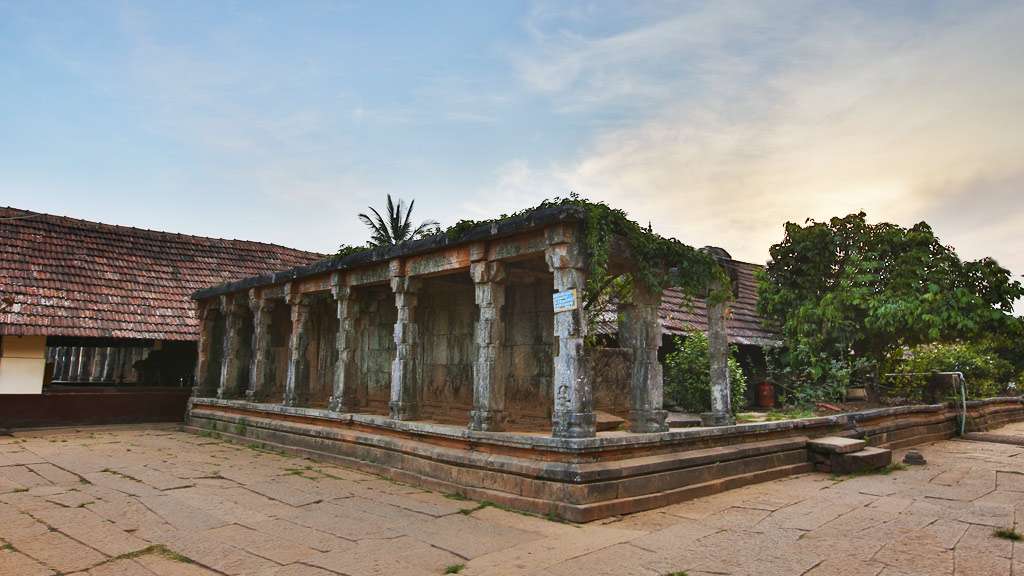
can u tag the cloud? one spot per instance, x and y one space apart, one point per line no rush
793 113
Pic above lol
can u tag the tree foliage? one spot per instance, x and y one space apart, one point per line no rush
847 295
688 378
397 227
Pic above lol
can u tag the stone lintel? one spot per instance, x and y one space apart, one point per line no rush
440 262
516 247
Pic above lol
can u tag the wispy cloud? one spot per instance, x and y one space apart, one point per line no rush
762 115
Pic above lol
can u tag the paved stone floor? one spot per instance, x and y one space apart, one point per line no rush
133 500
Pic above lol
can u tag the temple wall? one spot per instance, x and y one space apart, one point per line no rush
322 353
610 370
529 341
445 315
375 348
280 332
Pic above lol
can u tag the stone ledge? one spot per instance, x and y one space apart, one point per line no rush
577 479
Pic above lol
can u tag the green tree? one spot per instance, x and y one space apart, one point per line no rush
688 377
847 295
397 227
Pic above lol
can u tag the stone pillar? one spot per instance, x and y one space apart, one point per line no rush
234 359
640 331
488 377
206 384
718 356
296 389
405 392
343 397
261 366
573 413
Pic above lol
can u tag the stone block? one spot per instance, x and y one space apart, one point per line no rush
836 445
861 461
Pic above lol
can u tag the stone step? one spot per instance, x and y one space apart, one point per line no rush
865 460
682 420
607 422
836 445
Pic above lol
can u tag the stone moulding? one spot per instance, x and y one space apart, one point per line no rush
578 479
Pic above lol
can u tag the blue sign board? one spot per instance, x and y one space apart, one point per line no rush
564 301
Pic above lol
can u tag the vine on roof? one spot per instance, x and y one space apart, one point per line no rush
658 262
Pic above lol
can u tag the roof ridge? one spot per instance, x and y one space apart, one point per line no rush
59 219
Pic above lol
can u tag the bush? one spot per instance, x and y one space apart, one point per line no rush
805 378
688 378
985 372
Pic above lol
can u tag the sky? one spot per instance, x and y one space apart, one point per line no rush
715 122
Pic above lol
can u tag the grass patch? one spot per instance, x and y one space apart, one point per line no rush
682 573
7 547
158 549
454 568
789 414
550 516
454 496
1007 534
121 474
19 490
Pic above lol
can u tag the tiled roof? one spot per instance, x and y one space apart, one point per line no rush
65 277
679 316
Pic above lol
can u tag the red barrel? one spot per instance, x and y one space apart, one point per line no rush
766 394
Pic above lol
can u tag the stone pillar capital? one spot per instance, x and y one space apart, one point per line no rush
405 284
488 271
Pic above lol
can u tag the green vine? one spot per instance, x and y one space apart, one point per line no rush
657 262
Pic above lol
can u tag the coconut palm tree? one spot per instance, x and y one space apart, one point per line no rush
397 227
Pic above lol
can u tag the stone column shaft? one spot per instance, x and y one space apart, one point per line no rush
718 356
573 413
296 390
640 331
488 376
261 367
343 397
405 393
233 358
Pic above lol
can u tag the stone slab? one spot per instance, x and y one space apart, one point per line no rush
836 445
862 461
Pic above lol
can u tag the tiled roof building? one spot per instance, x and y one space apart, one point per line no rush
61 276
744 323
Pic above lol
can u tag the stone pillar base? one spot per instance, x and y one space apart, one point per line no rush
403 410
573 425
486 420
201 392
258 397
717 419
336 404
648 421
226 394
295 400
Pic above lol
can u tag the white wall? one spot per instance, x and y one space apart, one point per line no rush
22 364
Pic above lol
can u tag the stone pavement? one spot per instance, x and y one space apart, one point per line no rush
156 501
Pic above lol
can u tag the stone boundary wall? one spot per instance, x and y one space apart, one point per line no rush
579 479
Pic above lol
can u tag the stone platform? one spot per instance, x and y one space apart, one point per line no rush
578 479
